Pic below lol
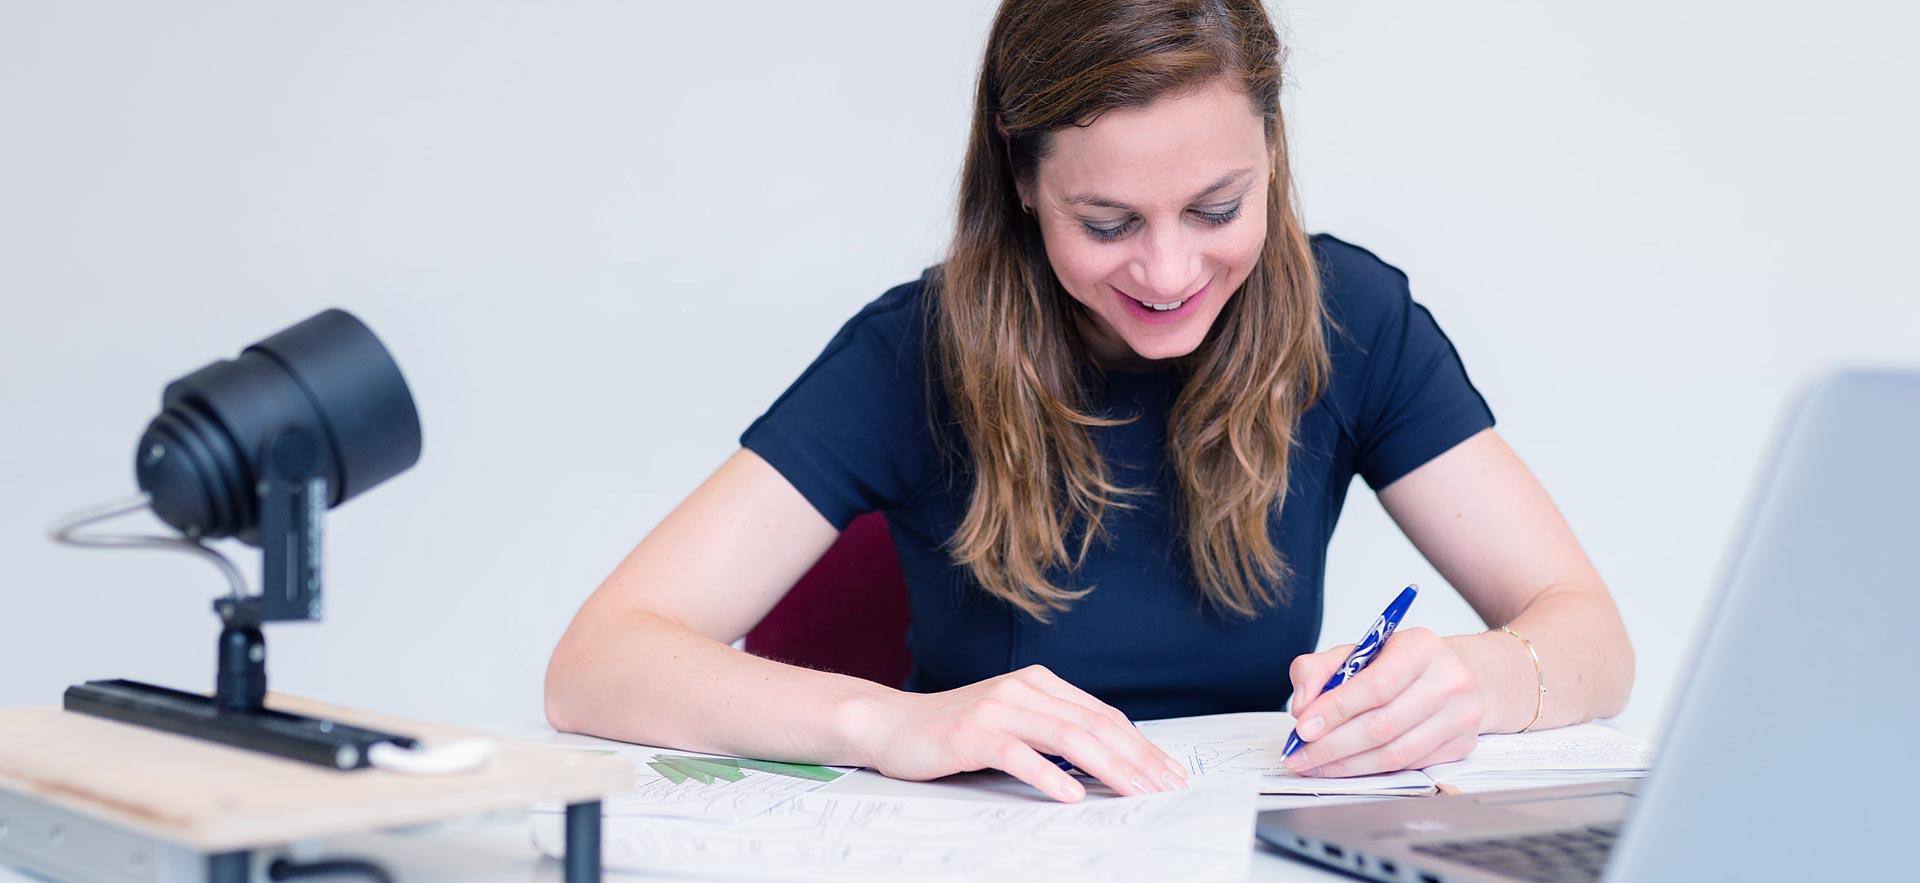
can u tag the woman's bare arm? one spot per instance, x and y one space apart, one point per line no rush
1488 526
647 659
1492 531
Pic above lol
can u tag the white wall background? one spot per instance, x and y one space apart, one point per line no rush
601 237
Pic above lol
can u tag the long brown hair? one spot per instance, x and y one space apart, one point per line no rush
1009 356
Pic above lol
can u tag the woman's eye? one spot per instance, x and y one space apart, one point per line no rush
1218 216
1108 232
1114 230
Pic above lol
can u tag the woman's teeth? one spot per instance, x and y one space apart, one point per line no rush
1162 307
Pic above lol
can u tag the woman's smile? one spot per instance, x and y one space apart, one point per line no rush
1163 312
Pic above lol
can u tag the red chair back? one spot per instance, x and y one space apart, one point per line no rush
848 613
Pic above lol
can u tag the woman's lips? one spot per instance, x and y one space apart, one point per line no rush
1146 313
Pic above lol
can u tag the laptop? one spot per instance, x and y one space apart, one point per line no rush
1793 748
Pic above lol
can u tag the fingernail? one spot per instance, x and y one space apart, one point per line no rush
1311 729
1071 792
1172 783
1178 771
1139 787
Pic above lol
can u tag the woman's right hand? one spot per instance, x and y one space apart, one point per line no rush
1007 723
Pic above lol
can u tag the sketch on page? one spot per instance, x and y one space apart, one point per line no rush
1200 833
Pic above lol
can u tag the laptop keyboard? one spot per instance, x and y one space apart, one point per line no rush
1569 856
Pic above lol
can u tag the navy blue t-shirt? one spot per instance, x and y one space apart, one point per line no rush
853 435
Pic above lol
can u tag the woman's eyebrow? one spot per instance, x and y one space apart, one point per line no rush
1098 201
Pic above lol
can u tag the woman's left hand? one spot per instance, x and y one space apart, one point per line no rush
1418 704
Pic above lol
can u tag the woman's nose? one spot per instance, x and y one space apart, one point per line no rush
1167 263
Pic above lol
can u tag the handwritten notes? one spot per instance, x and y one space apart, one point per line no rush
1250 744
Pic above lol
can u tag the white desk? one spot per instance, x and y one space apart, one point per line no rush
499 848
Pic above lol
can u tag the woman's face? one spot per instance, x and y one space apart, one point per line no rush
1152 217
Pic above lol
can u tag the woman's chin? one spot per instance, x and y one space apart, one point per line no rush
1162 351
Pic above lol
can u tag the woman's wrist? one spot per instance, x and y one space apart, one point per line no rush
862 720
1509 686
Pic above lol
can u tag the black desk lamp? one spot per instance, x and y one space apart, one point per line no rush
259 447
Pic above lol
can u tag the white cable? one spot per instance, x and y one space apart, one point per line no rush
67 530
453 757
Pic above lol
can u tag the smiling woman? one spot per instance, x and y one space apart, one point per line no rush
1111 435
1138 206
1147 242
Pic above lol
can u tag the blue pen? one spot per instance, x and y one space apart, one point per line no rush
1363 653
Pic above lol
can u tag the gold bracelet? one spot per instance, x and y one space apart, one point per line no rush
1539 674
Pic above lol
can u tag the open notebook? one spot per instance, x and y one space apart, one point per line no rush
1250 743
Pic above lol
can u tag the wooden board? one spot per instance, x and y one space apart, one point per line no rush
213 798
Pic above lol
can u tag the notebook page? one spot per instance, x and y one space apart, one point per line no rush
1250 743
1578 753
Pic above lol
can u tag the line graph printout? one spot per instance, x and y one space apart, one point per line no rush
1200 833
705 788
1251 743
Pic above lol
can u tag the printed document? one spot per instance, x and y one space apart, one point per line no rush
1203 832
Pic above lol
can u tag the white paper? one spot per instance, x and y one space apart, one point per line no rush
1583 753
1250 744
653 794
1204 832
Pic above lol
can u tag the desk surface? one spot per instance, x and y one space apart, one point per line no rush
498 848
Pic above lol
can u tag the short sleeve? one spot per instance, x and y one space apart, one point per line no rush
851 433
1406 393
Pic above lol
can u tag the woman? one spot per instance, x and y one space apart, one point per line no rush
1111 435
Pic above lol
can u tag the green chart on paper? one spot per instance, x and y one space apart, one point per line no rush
678 768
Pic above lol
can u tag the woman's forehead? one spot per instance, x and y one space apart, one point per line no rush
1168 151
